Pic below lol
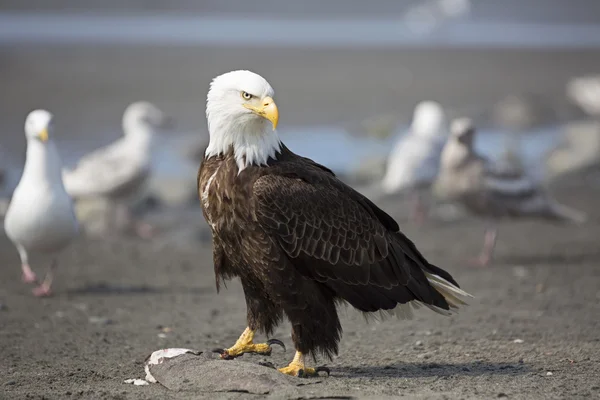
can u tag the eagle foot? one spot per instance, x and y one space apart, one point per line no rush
297 368
306 372
245 345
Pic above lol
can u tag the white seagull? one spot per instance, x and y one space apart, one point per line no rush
40 217
120 171
414 162
468 178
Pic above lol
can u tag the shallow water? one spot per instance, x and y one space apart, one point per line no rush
341 151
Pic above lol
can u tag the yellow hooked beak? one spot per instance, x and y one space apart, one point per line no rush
43 135
268 110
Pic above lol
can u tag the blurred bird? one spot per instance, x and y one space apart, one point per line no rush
414 161
120 171
471 180
40 217
585 92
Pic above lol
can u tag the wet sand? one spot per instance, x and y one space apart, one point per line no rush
114 297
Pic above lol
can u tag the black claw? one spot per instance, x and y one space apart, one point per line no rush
324 369
224 354
300 373
276 341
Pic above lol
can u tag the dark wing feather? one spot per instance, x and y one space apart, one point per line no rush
334 235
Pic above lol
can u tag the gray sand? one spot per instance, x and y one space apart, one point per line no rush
114 297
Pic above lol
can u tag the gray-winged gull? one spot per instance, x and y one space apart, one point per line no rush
120 171
468 178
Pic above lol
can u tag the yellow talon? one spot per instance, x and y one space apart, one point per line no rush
245 345
298 368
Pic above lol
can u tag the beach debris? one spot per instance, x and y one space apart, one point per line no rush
136 382
160 355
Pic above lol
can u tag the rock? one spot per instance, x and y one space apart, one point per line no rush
518 341
207 373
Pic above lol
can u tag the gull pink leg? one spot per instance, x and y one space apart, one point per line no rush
419 209
44 289
489 243
28 275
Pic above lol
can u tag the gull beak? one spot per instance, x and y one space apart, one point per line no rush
267 110
43 135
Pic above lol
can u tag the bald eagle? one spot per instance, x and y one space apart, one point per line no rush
299 239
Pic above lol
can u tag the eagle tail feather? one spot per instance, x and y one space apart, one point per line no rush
452 293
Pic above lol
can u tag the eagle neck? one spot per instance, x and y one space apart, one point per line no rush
254 144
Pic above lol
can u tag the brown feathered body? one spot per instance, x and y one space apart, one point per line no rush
301 241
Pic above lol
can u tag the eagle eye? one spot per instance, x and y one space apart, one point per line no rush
246 96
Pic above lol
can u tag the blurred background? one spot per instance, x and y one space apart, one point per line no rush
347 74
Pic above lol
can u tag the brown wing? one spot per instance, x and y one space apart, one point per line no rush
334 235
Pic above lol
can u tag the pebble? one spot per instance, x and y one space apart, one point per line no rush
520 272
419 343
518 341
162 335
136 382
99 320
549 373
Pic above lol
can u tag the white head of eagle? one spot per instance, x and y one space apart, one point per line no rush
242 114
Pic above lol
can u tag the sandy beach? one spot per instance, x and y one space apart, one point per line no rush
529 333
